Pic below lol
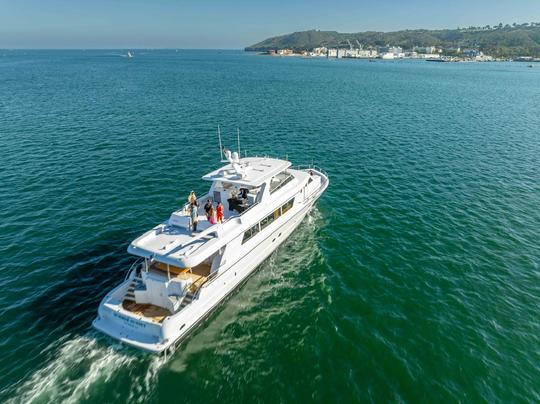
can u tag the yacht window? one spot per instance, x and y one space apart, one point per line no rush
287 206
267 220
279 181
255 229
249 233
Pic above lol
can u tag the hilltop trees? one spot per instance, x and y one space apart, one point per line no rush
498 40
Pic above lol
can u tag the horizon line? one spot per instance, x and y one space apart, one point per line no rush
116 48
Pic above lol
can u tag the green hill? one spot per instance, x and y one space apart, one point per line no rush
500 40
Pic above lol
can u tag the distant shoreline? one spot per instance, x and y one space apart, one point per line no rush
498 41
424 57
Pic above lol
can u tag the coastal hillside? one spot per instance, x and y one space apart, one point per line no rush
499 40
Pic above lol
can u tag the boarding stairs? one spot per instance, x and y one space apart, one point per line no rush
136 283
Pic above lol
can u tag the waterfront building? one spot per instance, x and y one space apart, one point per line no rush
360 53
425 49
430 55
285 52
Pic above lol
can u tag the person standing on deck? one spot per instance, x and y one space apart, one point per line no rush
212 216
207 208
194 213
192 198
219 212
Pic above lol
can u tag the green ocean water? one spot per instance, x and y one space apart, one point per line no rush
415 279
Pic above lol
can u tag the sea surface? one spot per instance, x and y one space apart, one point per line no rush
415 279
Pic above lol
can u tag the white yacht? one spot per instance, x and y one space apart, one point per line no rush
182 275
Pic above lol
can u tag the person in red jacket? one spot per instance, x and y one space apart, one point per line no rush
219 212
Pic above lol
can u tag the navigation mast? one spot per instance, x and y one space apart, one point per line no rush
220 146
238 133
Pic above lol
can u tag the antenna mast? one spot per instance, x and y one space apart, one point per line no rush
220 146
238 129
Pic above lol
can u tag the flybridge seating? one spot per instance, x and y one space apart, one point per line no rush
235 200
238 186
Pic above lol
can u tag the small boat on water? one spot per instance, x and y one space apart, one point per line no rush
182 275
130 55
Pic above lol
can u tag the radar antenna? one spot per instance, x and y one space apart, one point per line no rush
238 133
220 145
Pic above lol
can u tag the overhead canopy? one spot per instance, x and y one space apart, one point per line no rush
250 172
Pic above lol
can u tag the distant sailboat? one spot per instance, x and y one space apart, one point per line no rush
130 54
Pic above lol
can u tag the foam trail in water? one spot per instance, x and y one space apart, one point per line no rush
80 365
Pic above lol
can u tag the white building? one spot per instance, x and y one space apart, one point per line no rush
425 49
360 53
429 55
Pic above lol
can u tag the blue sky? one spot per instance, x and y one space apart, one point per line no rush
230 24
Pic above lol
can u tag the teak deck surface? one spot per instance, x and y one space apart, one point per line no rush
197 274
155 313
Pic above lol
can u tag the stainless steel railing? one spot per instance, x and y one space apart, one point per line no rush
133 266
310 167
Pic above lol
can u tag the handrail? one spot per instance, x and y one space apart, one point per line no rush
200 200
210 278
310 167
271 156
184 294
137 261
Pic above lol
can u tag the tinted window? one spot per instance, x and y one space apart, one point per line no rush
247 236
249 233
279 181
287 206
254 229
267 220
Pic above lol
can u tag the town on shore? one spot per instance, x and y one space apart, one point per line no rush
517 42
389 52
